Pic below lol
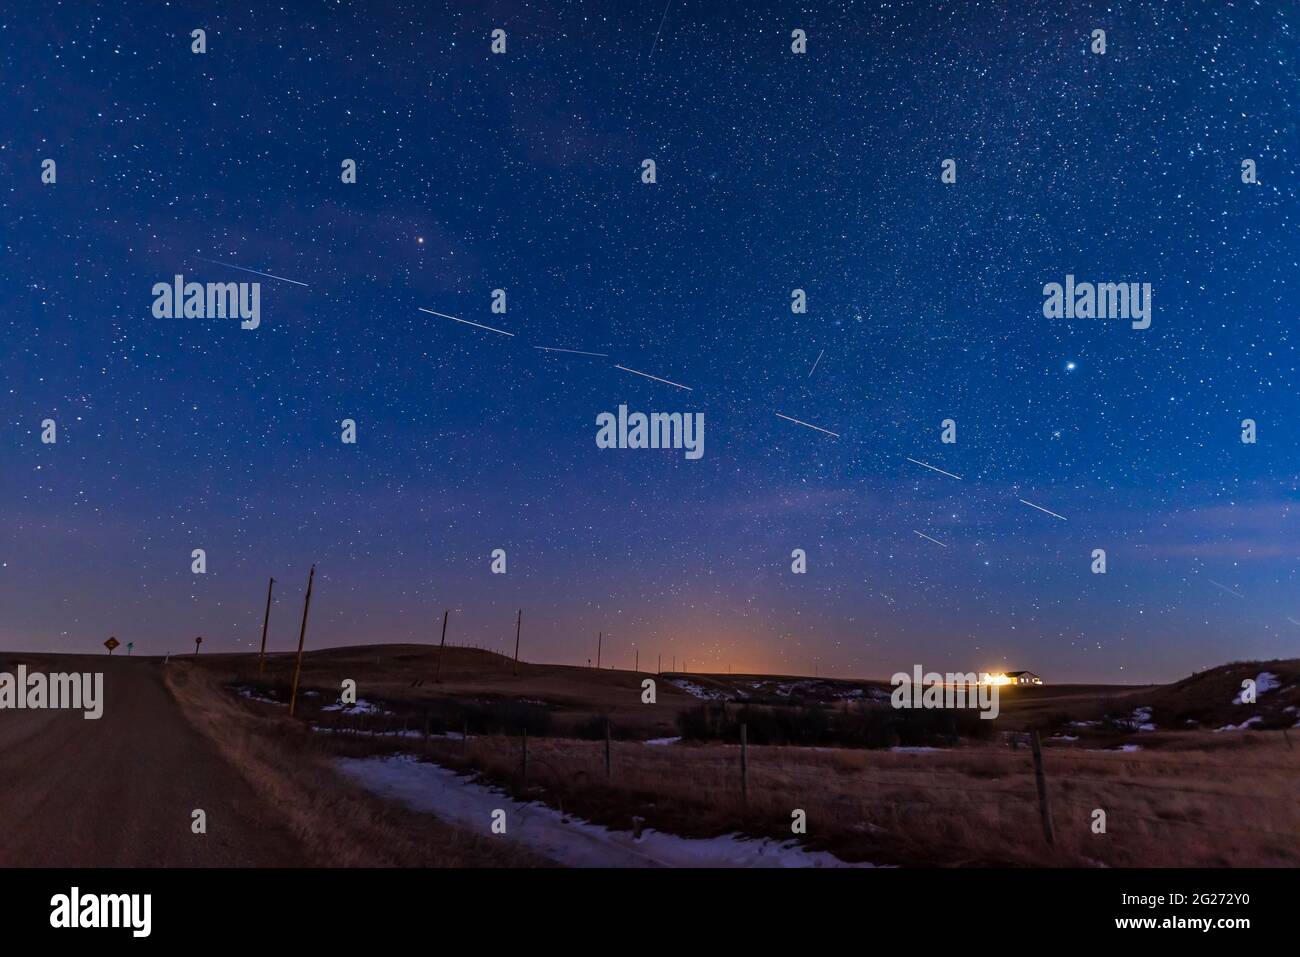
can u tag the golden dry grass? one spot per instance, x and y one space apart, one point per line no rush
404 675
976 806
337 823
1191 798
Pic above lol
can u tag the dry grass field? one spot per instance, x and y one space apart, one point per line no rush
1175 790
337 824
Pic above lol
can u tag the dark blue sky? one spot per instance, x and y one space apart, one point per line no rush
775 171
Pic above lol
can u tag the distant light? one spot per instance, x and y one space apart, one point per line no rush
1069 366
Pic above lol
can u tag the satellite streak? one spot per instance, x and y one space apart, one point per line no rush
1225 588
928 538
807 425
576 352
819 359
1048 511
661 27
933 469
466 321
647 375
253 271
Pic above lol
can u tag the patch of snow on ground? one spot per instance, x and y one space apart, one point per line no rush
1264 681
1122 747
691 688
377 734
252 695
361 707
1240 727
565 839
1141 717
914 749
662 741
1065 737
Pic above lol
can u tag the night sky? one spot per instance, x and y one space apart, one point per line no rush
775 171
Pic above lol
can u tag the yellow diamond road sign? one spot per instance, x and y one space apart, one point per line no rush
111 644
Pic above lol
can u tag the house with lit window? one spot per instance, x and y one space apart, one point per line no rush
1023 678
1011 678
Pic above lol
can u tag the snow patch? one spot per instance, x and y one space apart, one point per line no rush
321 729
691 688
662 741
252 695
565 839
1141 718
361 707
1240 727
1264 681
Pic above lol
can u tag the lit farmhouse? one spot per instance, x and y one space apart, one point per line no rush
1013 678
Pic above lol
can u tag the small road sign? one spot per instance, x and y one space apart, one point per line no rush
197 642
129 646
111 644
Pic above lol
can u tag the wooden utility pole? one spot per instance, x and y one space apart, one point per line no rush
636 663
744 763
599 638
266 618
659 669
302 635
1044 810
442 647
519 623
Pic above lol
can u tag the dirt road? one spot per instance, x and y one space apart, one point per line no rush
120 791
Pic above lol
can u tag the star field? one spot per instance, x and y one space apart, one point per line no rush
775 171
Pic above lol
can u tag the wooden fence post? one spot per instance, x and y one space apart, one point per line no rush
1044 810
261 657
442 648
524 772
744 763
519 622
609 766
302 635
